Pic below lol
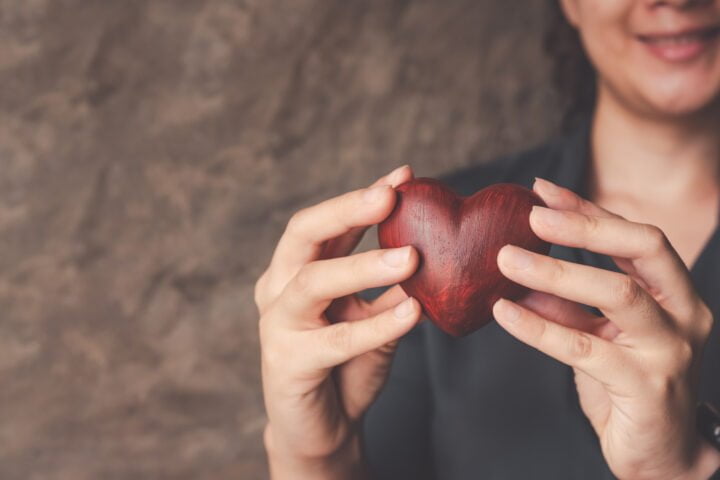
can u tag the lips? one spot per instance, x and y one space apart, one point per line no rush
691 36
681 45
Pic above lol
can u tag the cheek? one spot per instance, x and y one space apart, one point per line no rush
608 45
604 26
636 75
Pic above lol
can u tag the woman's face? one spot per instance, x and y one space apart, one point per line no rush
658 57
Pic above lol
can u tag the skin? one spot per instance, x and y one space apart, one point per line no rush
662 115
636 368
326 353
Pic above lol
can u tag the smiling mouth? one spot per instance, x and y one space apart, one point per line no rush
681 47
695 36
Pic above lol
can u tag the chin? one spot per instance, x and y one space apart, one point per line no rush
681 97
682 106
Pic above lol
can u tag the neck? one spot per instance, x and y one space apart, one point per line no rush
648 160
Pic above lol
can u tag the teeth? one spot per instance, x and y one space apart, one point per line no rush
683 39
679 40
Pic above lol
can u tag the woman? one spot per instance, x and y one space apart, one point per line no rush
606 391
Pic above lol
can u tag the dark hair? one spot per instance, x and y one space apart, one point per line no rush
573 75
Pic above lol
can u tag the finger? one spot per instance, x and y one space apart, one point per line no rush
345 244
310 228
352 307
392 296
569 314
373 367
561 198
652 258
337 343
348 308
400 175
317 283
618 296
598 358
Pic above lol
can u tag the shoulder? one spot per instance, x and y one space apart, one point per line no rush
520 167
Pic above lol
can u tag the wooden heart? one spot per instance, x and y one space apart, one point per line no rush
458 239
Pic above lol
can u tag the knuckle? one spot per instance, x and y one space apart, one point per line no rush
654 239
304 280
282 350
708 325
584 206
279 360
683 355
626 292
592 224
672 367
706 320
339 337
578 204
296 221
540 333
590 227
580 346
556 270
661 384
272 356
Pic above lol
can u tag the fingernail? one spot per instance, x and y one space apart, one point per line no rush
404 308
395 172
396 257
548 216
547 186
509 312
373 194
394 177
516 258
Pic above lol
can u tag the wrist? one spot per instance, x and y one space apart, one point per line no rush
345 463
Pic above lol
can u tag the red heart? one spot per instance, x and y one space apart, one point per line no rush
458 239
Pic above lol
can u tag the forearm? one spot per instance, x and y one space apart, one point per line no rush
346 464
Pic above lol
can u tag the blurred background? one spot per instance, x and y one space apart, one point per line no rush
151 153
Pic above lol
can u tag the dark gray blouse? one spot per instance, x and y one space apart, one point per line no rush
487 406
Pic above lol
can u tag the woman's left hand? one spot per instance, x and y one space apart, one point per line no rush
636 368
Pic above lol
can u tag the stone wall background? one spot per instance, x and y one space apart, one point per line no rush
150 155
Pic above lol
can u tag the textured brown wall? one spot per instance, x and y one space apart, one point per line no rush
150 155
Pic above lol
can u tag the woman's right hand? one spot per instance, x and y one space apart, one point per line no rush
326 352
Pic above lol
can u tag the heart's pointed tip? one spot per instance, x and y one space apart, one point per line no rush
460 331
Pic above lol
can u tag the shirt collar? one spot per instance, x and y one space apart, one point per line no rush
573 173
574 157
